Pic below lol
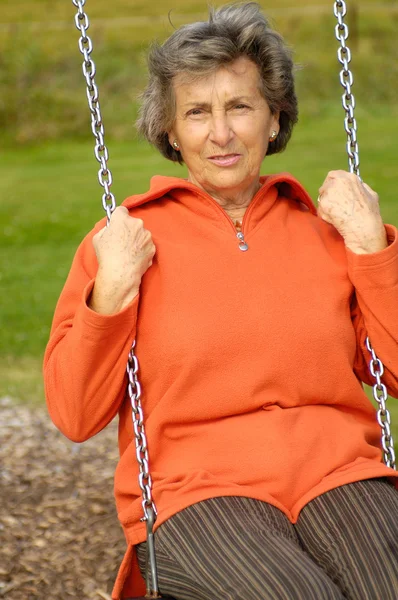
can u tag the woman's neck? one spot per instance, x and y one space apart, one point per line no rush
234 202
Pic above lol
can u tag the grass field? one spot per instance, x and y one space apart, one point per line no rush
26 11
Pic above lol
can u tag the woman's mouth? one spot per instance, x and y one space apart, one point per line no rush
225 160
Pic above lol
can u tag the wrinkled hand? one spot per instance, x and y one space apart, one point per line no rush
352 207
125 251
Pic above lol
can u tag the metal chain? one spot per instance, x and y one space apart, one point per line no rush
101 152
347 81
350 125
383 416
109 205
134 388
141 446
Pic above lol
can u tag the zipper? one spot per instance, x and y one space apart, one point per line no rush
243 246
241 236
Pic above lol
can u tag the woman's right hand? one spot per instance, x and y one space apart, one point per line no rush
125 251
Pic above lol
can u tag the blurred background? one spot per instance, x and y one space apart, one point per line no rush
49 192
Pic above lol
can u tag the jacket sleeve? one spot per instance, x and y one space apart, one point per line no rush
86 356
375 310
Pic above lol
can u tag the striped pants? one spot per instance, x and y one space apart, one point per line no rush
344 545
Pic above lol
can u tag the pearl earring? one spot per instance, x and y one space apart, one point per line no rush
176 145
273 137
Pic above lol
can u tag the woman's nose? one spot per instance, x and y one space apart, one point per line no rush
220 131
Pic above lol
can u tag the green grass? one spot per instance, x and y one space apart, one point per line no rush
43 10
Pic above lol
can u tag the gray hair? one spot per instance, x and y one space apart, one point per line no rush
200 48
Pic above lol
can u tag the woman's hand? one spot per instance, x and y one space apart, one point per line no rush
353 208
125 251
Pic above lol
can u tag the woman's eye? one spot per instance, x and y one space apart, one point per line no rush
240 106
195 112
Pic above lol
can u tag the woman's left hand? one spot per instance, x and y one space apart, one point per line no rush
352 207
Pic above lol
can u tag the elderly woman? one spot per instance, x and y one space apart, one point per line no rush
250 311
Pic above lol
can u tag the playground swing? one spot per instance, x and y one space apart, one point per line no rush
109 204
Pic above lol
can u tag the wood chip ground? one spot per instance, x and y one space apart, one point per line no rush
59 533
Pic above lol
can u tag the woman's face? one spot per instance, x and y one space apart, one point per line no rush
222 126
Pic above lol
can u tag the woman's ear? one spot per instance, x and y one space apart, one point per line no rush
275 121
171 136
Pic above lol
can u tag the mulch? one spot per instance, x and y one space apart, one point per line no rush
59 533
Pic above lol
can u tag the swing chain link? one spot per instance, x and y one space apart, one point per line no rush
141 446
109 204
383 416
347 81
101 152
350 125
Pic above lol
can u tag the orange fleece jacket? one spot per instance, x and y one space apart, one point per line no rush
251 362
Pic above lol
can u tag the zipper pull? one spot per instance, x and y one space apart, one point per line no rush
242 244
